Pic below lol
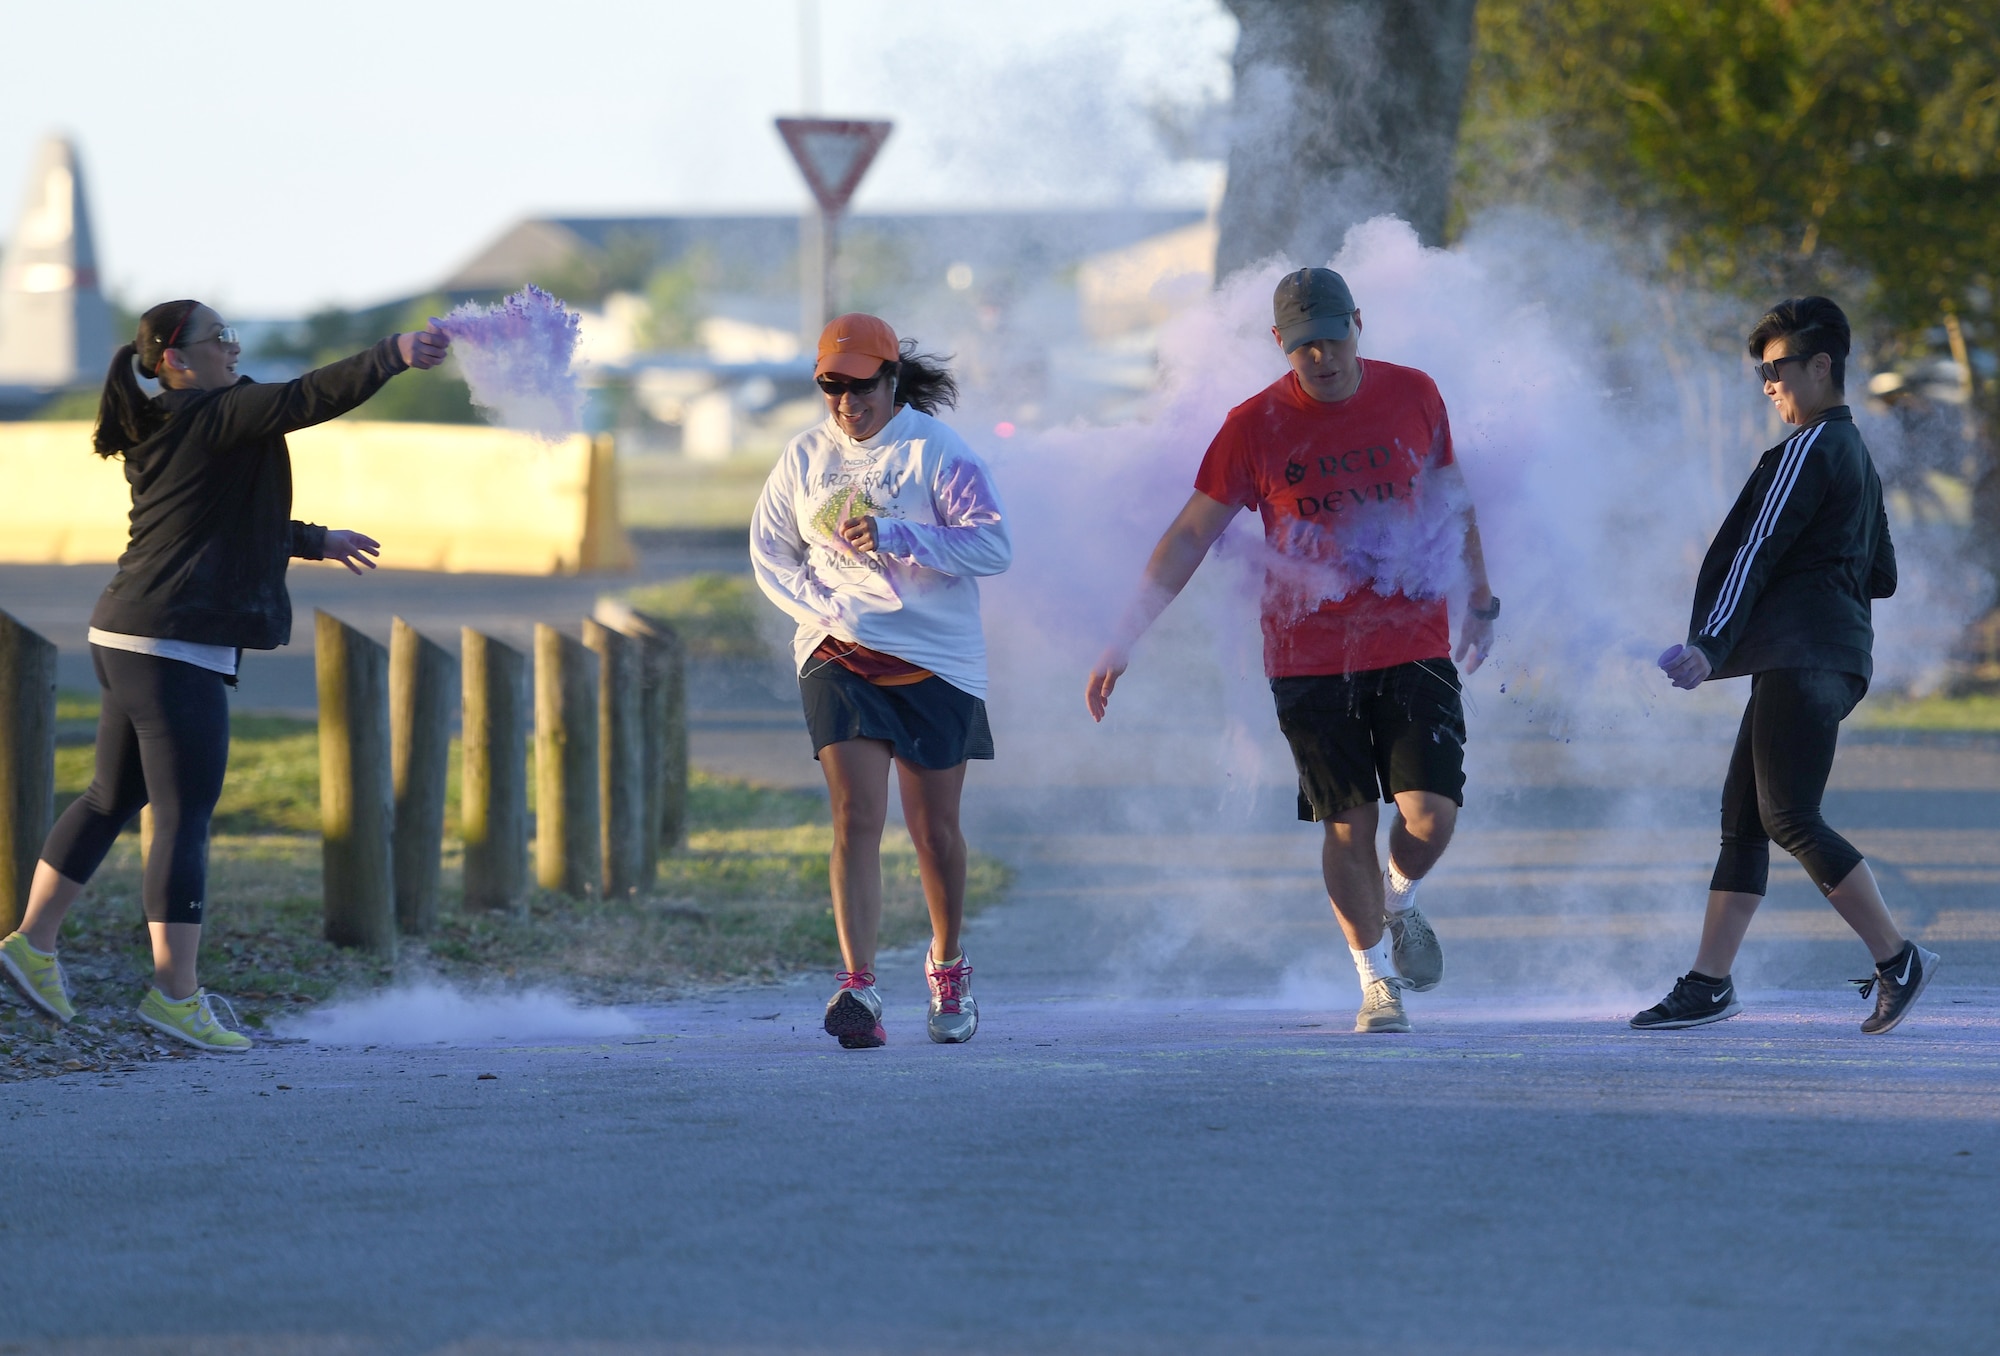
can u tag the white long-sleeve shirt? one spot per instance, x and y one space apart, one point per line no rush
939 526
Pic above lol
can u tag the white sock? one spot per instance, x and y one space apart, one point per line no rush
1398 890
1377 962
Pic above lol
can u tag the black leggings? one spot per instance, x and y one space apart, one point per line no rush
162 739
1784 752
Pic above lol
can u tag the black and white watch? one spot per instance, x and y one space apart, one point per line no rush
1491 612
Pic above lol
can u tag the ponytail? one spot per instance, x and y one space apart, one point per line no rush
126 416
923 380
124 419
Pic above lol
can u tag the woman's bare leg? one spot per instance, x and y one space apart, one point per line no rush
175 946
930 808
1722 930
50 893
1858 900
857 786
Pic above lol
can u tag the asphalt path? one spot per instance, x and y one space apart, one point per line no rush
1165 1138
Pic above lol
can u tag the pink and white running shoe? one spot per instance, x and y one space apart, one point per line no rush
854 1014
954 1016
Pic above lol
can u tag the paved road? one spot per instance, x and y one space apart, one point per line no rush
1164 1138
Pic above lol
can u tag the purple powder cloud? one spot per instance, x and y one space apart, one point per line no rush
516 358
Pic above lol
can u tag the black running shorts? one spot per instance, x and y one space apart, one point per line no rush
1362 737
931 724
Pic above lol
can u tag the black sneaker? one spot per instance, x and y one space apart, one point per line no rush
1693 1002
1896 986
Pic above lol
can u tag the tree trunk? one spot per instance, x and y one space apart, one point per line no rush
1344 110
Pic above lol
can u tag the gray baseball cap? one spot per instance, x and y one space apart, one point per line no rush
1312 303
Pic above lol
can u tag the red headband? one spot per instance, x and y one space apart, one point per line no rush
177 329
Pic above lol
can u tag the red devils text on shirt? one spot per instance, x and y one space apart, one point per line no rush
1312 467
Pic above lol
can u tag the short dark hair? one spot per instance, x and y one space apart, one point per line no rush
1811 325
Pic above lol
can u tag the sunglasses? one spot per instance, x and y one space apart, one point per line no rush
225 335
860 386
1769 371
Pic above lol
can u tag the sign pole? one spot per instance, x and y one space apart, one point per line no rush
812 273
832 154
829 239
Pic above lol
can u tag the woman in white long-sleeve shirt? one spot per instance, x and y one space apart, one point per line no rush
870 533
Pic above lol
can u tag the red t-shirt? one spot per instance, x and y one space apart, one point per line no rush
1337 485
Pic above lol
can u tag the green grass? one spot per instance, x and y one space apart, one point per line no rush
717 615
1971 712
674 492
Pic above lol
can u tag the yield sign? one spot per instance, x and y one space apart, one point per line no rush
833 154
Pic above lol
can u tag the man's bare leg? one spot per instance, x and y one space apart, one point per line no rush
1353 873
1422 831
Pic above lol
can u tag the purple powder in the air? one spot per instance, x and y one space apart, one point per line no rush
516 358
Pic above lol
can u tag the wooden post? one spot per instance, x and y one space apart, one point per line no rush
27 761
621 774
356 813
664 721
568 851
422 676
493 798
673 801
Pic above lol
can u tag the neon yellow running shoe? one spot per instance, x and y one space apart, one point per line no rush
38 975
193 1020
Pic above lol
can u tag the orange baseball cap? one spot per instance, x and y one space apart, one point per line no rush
856 345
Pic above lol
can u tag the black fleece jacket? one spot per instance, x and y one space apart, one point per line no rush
1788 580
212 526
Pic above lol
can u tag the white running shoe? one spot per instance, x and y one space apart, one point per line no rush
1419 958
1381 1007
854 1013
954 1016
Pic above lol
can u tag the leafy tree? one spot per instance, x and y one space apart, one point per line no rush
586 277
674 296
1775 146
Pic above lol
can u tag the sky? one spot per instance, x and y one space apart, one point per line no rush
271 158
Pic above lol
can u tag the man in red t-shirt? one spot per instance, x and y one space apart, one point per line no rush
1368 530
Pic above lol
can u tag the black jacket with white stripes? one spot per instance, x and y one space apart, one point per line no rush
1788 580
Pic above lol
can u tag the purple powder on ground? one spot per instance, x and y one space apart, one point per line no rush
516 357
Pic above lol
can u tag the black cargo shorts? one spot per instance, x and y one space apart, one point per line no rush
1361 737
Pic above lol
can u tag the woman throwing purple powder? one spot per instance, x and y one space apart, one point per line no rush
871 533
202 580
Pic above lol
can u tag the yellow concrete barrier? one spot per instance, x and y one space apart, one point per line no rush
452 497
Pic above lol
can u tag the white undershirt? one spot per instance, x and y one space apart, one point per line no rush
215 658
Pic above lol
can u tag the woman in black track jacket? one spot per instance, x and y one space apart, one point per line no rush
202 580
1784 596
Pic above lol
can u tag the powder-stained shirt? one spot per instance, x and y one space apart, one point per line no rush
1358 554
939 526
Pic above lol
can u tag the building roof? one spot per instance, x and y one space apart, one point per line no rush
745 249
